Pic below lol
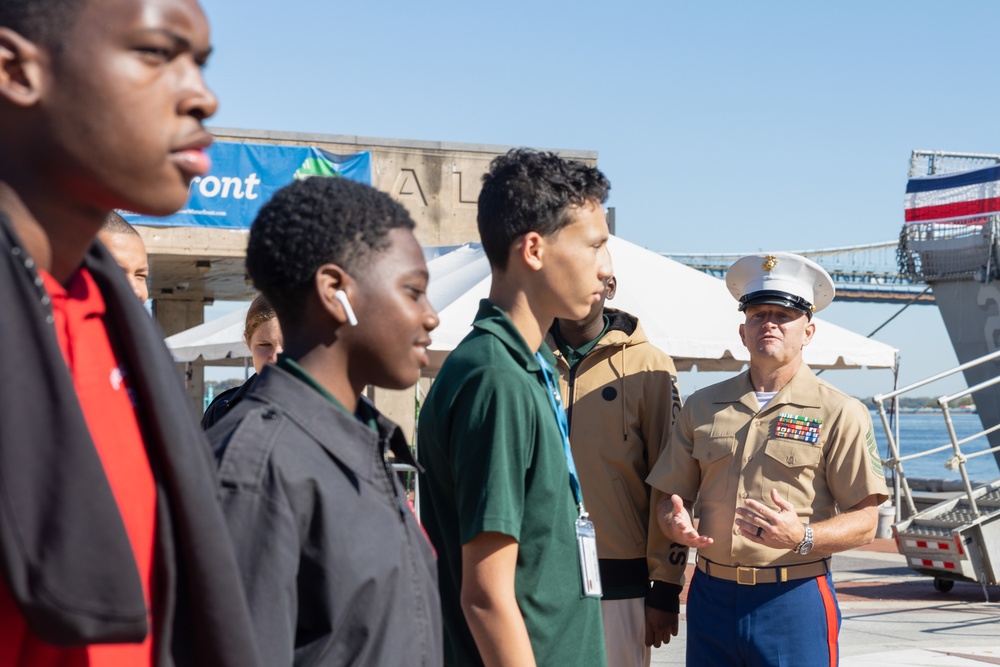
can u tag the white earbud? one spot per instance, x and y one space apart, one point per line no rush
341 296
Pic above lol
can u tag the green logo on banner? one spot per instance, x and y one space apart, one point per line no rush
315 166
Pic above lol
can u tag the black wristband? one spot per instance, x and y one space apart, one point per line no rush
665 597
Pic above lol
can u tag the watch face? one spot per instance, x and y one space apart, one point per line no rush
805 548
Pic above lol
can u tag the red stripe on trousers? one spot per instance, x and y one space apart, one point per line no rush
831 617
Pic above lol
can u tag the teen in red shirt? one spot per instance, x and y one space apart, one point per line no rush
107 407
112 544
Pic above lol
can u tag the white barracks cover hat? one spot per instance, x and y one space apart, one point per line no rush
780 278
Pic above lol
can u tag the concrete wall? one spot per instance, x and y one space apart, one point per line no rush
437 182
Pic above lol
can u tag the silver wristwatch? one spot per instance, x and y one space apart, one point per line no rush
806 545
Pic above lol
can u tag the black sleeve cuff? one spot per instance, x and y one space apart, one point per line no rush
665 597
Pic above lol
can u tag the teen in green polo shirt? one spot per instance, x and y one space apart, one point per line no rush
496 496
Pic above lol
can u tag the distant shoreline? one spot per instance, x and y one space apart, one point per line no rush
923 409
960 411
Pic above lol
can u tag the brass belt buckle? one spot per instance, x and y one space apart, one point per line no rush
746 576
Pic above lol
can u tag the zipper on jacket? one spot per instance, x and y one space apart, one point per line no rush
422 603
572 385
572 391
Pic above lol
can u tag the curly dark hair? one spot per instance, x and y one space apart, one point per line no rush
312 222
531 191
42 21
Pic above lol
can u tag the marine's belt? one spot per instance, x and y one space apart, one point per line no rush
751 576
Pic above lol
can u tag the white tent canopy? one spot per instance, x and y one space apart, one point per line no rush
688 314
221 338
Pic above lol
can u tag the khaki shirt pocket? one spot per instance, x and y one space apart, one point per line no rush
715 454
793 469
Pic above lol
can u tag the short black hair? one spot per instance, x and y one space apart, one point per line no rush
531 191
312 222
114 223
45 22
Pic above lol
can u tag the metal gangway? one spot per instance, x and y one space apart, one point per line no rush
957 539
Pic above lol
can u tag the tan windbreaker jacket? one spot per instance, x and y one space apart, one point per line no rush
621 400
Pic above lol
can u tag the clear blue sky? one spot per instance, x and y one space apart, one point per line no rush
723 126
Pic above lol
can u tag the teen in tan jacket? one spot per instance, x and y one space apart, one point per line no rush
621 399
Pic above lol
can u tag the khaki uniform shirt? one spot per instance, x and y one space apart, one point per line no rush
723 451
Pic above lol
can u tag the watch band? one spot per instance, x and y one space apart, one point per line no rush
805 546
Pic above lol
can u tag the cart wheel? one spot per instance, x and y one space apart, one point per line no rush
943 585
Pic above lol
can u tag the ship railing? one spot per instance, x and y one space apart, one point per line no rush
958 458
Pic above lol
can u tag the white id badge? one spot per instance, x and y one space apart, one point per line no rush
586 539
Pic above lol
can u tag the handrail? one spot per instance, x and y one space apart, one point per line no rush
958 455
895 460
970 390
934 378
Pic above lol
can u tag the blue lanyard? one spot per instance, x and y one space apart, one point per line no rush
555 400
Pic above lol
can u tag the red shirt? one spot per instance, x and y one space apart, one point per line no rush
107 405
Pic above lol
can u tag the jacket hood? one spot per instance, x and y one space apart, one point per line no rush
623 329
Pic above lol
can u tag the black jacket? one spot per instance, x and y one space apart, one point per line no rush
226 401
64 551
337 570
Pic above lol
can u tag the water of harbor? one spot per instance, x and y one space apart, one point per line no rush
923 431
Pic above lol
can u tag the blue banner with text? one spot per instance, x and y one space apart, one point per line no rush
244 176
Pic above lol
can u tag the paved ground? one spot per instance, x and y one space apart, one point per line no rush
893 616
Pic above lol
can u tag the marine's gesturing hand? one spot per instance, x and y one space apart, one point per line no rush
675 522
779 529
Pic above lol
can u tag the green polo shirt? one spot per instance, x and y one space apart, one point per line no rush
494 460
574 355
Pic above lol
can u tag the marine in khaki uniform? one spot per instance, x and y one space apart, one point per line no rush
786 472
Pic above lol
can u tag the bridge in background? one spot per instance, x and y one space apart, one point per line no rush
866 273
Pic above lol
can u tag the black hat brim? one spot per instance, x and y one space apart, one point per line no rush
776 298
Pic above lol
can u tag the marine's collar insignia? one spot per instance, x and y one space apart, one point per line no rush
769 262
797 427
